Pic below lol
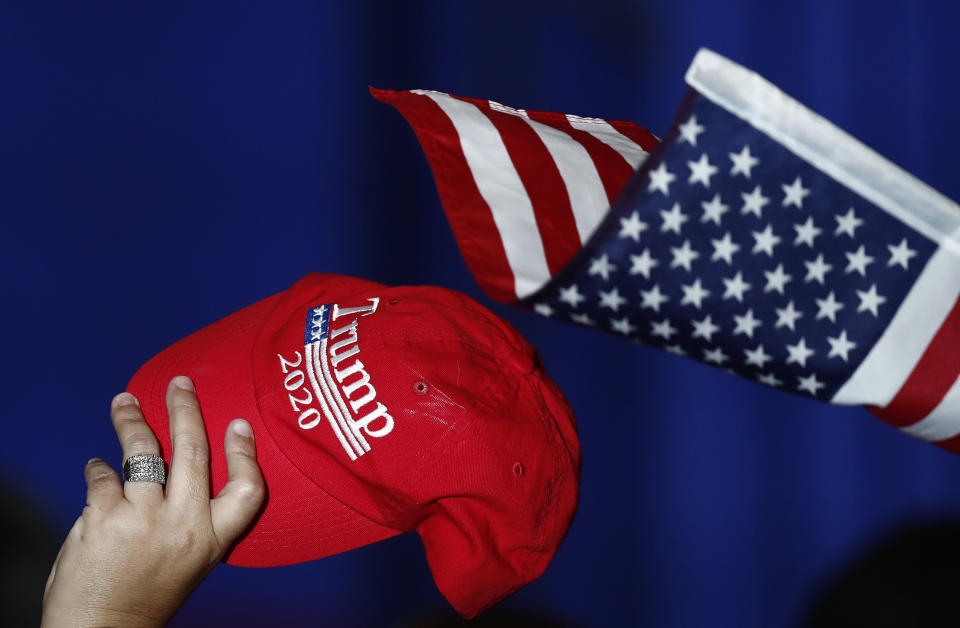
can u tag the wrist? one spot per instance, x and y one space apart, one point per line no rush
91 617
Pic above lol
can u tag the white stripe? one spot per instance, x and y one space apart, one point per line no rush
752 98
588 199
323 404
502 189
891 360
943 422
609 135
333 397
331 386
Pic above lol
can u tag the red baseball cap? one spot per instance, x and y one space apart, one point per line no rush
380 410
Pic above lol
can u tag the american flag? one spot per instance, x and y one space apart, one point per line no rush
757 238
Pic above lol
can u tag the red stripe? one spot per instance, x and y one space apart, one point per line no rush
544 186
613 168
951 444
639 135
930 380
468 214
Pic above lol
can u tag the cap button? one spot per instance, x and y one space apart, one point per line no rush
522 362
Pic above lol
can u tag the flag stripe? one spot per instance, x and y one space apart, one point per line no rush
335 423
632 151
336 400
582 183
944 422
890 362
616 170
500 184
637 134
539 171
467 212
501 188
930 380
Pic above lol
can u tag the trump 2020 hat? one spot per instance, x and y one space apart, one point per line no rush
380 410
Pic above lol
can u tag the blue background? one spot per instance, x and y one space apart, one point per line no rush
164 164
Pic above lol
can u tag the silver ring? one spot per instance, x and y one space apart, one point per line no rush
145 468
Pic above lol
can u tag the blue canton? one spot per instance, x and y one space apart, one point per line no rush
738 253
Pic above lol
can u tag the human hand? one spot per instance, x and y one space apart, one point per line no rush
137 551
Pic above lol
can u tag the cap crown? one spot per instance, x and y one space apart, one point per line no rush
420 409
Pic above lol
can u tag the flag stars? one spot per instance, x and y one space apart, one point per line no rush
870 300
754 202
611 299
701 171
799 353
840 346
704 328
735 287
601 266
683 256
663 329
689 131
806 233
787 317
715 356
794 193
632 227
758 357
642 264
543 309
743 162
847 223
746 324
777 279
900 254
622 325
810 384
694 294
828 308
675 349
673 220
571 294
817 270
770 380
765 241
713 210
660 179
724 249
583 319
653 298
858 261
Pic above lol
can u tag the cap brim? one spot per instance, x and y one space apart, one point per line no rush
300 521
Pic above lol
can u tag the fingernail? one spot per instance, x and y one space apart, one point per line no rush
126 399
183 383
92 460
242 428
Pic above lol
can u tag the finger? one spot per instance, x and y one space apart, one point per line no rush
189 481
103 484
240 498
136 437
